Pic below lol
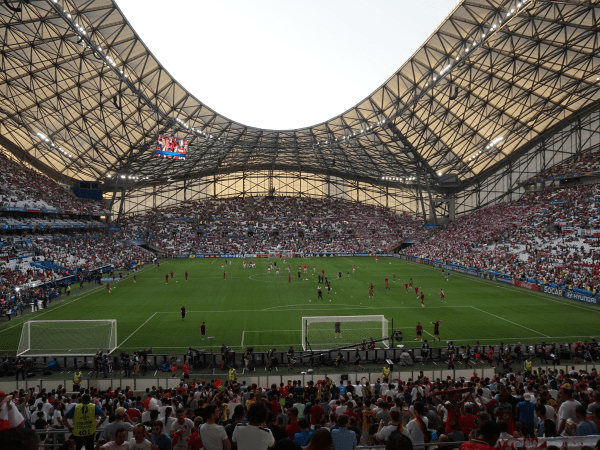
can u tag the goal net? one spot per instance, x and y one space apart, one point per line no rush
67 337
320 332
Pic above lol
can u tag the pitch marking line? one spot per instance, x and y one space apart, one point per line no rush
136 330
510 321
270 331
495 340
242 344
29 317
536 294
35 316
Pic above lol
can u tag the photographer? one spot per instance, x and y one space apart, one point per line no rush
290 357
269 362
248 357
126 362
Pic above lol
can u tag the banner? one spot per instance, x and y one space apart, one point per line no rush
560 442
580 297
552 290
526 285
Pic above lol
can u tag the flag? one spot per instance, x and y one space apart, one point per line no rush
10 417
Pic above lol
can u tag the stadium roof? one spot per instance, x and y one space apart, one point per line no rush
83 98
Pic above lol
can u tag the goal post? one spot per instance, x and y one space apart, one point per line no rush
67 337
320 332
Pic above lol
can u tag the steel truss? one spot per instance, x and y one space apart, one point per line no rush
581 135
264 183
82 98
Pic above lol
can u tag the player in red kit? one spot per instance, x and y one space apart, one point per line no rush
419 332
224 275
171 275
406 286
167 278
135 277
422 299
108 287
436 330
417 291
387 283
186 275
442 296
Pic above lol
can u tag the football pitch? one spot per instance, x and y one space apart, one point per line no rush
254 307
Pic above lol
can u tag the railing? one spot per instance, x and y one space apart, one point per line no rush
55 438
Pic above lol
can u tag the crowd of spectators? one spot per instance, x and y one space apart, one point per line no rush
548 236
75 258
276 225
582 163
216 415
26 188
551 235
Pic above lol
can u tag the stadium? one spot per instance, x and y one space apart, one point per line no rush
132 212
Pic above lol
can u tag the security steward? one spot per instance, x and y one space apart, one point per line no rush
385 374
84 424
232 374
77 377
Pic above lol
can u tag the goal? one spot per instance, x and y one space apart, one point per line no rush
67 337
319 332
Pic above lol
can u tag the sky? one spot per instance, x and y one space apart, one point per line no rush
283 64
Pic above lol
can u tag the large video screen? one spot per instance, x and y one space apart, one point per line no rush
170 147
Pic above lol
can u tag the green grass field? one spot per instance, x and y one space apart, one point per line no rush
255 308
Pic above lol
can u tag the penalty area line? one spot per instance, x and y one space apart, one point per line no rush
136 330
510 321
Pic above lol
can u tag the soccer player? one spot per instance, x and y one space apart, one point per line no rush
203 330
135 277
224 275
183 311
166 278
406 286
172 275
108 287
417 291
410 282
419 332
436 330
422 299
319 293
186 275
338 329
289 278
371 290
442 296
386 282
